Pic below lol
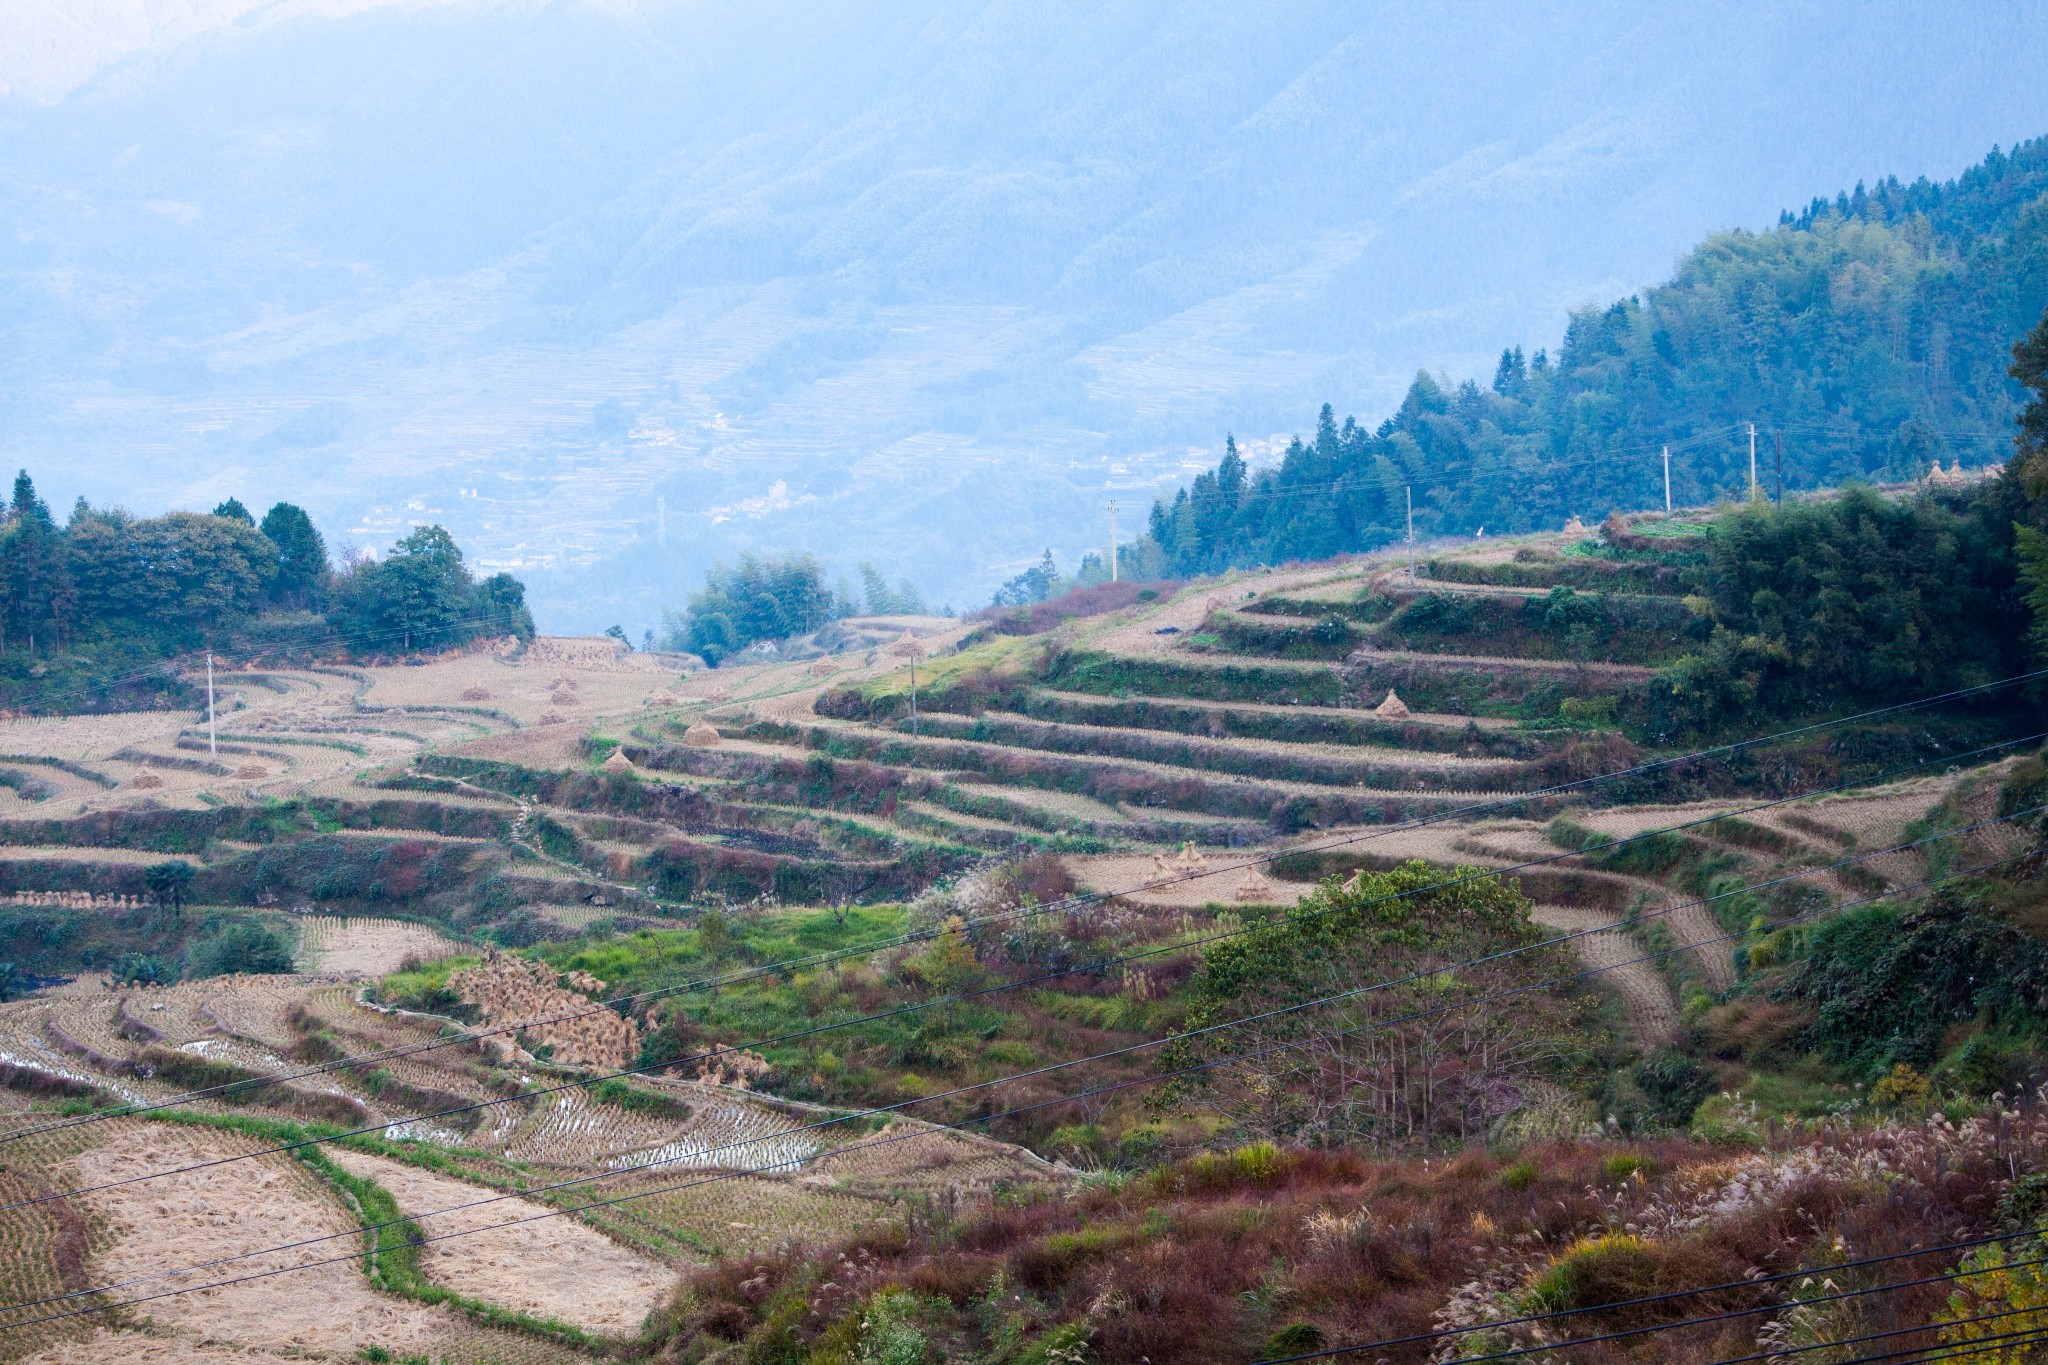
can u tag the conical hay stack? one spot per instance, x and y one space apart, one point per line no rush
1393 708
701 736
824 668
617 762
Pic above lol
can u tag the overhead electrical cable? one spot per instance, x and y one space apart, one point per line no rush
1679 1324
982 992
890 1139
622 1003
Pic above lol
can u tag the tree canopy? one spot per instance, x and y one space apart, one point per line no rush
106 591
759 598
1870 330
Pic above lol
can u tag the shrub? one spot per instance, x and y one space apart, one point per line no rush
1613 1267
252 948
140 969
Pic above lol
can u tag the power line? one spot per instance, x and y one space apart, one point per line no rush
1116 1087
1702 1320
962 996
622 1003
1905 1331
1960 1350
328 635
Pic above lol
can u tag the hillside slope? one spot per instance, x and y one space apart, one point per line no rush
953 255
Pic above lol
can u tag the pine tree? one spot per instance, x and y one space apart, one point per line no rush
26 506
301 555
233 510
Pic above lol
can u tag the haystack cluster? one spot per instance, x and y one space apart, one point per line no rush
76 900
515 992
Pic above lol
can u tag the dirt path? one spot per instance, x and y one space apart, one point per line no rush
1186 612
1619 672
1645 994
1274 708
176 1220
556 1268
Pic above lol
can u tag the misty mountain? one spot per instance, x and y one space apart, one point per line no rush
611 290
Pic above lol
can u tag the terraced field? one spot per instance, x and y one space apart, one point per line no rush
700 1169
1199 753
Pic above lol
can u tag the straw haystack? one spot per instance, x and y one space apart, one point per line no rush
514 992
1254 887
701 736
907 647
824 668
550 718
617 762
1393 708
145 780
252 770
1575 527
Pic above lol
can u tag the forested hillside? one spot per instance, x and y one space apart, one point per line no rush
85 604
1870 332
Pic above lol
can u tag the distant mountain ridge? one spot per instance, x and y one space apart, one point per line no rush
614 290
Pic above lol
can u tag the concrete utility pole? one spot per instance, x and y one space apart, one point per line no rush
212 742
1752 462
1667 480
1112 542
1409 489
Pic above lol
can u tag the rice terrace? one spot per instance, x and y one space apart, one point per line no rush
677 825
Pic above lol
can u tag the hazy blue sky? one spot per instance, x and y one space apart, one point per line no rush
611 289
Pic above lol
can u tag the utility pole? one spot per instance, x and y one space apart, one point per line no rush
1752 462
913 701
1410 490
212 741
1112 542
1779 436
1667 480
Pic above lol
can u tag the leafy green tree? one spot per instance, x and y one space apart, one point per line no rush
1035 584
302 570
233 510
420 596
182 575
759 598
170 884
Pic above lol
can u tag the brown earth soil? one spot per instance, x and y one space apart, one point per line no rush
177 1220
553 1268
